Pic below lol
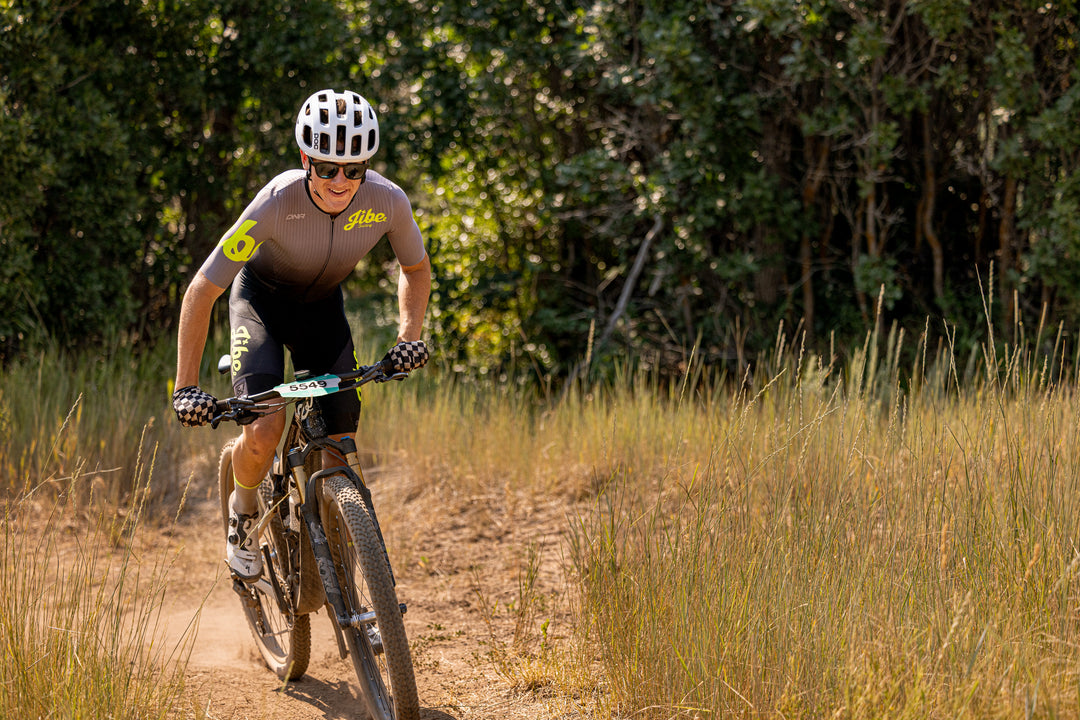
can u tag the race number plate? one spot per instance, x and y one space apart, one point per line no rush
312 387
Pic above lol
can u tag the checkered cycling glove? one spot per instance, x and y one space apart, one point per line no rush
193 406
406 356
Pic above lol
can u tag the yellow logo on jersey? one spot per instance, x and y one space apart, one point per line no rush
240 337
240 246
364 218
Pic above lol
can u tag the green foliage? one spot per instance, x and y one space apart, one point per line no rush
794 156
135 131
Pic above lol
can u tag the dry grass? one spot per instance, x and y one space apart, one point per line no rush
80 608
855 540
839 547
851 542
62 415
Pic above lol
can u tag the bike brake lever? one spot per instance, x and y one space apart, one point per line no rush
236 412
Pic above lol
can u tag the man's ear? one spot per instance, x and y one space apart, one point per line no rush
304 159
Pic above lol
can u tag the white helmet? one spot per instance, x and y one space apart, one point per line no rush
340 127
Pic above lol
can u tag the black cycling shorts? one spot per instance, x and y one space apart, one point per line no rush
316 333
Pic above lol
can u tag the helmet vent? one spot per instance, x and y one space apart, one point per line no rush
354 149
340 140
372 140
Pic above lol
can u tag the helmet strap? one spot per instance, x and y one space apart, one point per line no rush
311 185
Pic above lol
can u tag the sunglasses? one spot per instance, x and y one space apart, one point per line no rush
329 170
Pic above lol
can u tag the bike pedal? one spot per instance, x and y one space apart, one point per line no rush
243 589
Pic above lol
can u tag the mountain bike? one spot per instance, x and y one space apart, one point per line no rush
321 543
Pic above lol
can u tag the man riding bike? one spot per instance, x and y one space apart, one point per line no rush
286 257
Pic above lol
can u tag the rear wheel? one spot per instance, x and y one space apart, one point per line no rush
377 644
283 638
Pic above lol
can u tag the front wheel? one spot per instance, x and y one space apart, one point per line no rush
283 637
377 642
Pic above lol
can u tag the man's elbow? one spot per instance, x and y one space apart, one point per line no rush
423 267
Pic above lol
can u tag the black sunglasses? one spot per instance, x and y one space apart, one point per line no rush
329 170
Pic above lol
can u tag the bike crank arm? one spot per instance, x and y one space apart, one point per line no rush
266 583
243 589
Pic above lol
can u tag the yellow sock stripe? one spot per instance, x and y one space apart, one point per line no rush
241 485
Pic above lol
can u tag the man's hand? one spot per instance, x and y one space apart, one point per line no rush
193 406
406 356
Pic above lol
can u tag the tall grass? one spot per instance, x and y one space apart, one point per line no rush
472 439
80 608
91 412
876 538
838 546
893 534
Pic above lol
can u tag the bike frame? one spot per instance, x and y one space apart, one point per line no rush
313 511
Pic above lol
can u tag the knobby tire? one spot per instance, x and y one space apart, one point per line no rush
386 679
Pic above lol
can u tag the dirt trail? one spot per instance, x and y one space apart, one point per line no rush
455 558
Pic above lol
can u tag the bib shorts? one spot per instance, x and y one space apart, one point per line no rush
266 322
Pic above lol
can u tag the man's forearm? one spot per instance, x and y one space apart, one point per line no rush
193 328
414 289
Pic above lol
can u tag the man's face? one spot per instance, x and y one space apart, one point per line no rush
333 194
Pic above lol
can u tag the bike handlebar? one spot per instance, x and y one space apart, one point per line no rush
398 363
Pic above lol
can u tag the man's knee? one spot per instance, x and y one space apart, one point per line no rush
261 437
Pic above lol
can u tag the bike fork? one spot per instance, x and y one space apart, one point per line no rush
320 547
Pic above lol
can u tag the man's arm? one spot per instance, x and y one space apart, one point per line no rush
414 288
194 325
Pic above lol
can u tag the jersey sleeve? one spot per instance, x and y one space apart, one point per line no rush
404 234
240 243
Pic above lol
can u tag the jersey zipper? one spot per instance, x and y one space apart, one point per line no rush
326 262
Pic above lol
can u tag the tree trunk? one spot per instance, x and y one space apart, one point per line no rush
1007 253
816 153
769 249
926 208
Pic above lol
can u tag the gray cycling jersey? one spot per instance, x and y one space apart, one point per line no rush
299 251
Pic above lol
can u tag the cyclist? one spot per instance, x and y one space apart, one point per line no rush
285 258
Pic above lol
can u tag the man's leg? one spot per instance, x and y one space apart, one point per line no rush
252 455
331 458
